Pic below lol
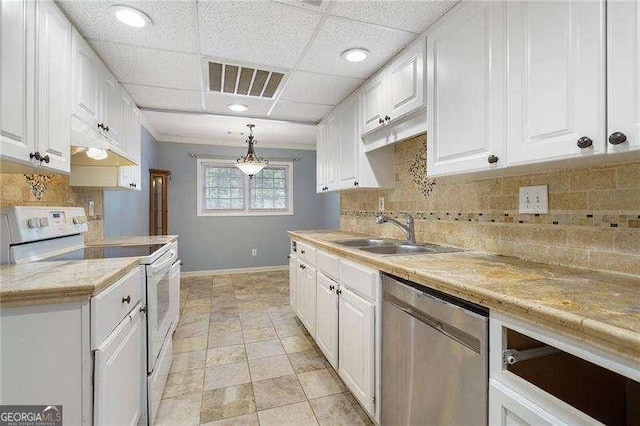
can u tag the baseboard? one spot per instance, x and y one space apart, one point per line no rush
235 271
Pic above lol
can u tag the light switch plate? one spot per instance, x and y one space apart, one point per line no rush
381 204
534 200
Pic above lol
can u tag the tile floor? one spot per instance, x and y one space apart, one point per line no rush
241 357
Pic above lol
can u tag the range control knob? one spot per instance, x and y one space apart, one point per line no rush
34 222
79 220
44 221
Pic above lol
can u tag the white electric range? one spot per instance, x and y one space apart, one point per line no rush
45 234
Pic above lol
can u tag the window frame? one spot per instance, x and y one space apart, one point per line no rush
201 212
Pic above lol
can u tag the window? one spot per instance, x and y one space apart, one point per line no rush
223 190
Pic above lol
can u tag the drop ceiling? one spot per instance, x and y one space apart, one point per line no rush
165 66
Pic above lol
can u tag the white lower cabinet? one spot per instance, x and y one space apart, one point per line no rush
508 408
293 273
327 317
119 371
306 296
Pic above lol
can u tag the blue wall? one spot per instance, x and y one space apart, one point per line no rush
127 212
211 243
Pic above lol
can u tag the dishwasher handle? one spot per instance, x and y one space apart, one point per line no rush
448 330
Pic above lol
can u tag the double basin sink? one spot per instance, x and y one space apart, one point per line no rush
390 247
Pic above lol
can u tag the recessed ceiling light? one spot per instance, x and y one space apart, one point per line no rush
130 16
238 107
355 55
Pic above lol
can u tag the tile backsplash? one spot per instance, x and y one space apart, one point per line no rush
593 220
53 190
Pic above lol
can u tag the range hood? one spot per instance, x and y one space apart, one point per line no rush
83 138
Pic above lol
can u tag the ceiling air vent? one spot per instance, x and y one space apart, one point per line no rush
239 80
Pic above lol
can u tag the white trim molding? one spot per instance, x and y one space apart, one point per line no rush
242 144
234 271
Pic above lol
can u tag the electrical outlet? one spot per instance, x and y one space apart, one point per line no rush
254 252
534 200
91 208
381 204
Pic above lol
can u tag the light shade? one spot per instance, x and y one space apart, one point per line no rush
250 163
96 153
355 55
238 107
130 16
251 168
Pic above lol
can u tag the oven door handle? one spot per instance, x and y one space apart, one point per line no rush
162 264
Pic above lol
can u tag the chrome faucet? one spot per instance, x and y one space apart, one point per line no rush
408 229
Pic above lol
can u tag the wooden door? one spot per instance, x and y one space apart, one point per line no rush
159 201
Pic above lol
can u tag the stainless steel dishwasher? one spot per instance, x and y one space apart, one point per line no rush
434 357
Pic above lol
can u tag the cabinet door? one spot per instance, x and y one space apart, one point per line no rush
293 273
466 89
333 151
327 318
508 408
348 142
53 93
16 64
309 299
110 106
373 101
119 374
321 157
623 69
406 82
86 82
356 346
556 92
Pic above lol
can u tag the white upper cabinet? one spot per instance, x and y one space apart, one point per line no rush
110 106
348 142
556 93
86 82
333 150
623 79
374 102
466 87
321 157
16 65
53 94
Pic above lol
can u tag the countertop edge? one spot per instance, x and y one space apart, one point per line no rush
597 333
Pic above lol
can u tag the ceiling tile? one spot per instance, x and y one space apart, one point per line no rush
173 25
151 67
318 88
414 16
217 103
158 97
295 111
256 32
338 35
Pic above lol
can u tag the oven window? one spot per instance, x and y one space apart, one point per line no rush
163 298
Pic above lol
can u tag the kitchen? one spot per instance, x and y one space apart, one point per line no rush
321 212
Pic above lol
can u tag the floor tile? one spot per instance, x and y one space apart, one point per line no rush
192 328
296 344
231 401
188 361
221 376
276 392
255 322
179 411
184 383
268 368
291 415
289 329
259 334
219 339
226 355
319 383
246 420
225 327
303 362
339 409
265 349
189 344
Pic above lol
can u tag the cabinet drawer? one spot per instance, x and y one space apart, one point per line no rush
307 253
329 264
358 278
111 305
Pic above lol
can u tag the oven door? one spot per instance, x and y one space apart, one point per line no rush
159 304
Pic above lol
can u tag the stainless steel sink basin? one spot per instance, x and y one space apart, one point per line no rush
408 249
367 242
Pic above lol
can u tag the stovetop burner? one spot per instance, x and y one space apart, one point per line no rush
106 252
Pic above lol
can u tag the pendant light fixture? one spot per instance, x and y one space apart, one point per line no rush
250 164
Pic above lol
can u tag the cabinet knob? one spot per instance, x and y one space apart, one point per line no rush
616 138
126 299
381 120
303 267
100 126
332 287
288 256
387 118
302 251
35 155
584 142
106 128
338 292
355 183
492 159
46 159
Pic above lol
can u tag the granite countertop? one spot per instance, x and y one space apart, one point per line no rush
599 308
57 282
134 240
